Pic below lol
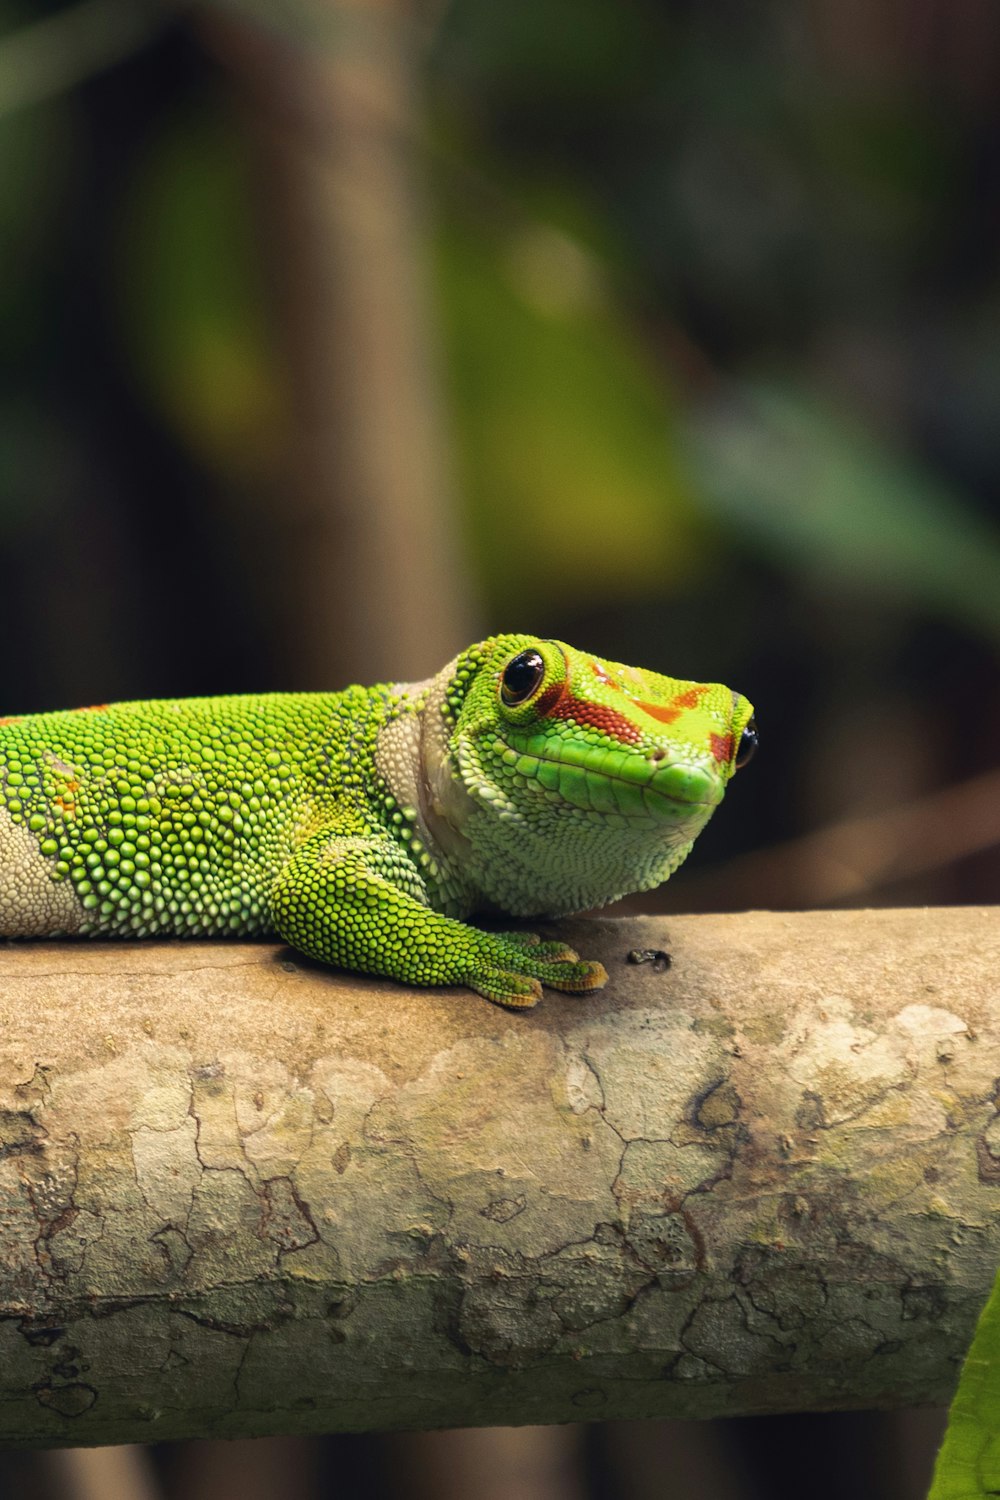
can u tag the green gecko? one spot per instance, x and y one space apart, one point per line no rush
364 826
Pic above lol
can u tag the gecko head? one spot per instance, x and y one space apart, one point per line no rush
588 760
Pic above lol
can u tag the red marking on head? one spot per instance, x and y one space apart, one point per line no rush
13 719
721 746
557 702
690 697
659 712
545 701
602 675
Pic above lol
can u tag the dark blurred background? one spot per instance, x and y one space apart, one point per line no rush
336 335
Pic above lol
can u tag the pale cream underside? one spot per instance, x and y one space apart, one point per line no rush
411 753
32 904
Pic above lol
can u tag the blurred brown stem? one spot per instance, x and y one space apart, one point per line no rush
849 860
124 1473
377 572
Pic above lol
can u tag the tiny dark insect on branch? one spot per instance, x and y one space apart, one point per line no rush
658 957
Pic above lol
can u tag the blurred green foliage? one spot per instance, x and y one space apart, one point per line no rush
968 1466
815 488
717 303
557 408
767 194
192 305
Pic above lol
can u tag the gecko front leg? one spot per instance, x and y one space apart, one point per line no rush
354 902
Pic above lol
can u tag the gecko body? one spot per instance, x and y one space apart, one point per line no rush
365 826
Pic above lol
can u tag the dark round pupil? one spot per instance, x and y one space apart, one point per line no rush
748 744
522 676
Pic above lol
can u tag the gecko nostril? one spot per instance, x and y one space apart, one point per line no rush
658 755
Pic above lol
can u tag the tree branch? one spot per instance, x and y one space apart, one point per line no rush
241 1194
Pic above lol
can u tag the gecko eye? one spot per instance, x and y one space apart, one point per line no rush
521 677
748 745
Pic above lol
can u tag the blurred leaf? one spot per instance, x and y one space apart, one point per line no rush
559 52
51 55
192 287
816 490
968 1465
563 425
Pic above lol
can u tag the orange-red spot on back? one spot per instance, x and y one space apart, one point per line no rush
721 746
13 719
92 708
65 800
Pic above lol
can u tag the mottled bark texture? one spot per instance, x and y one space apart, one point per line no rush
241 1194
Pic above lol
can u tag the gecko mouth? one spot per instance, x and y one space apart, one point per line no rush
615 782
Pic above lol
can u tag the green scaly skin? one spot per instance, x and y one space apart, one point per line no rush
365 826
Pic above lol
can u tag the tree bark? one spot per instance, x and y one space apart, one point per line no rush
242 1194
